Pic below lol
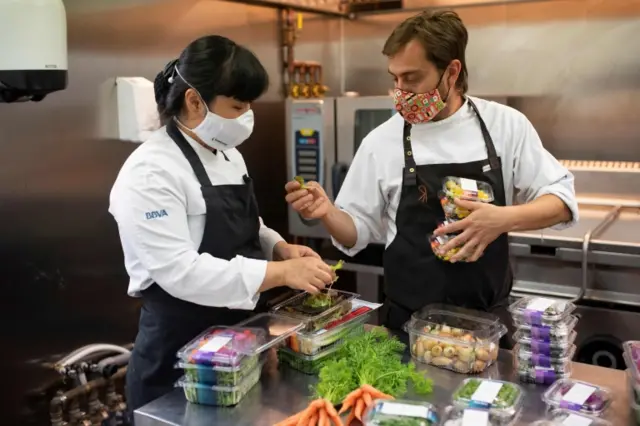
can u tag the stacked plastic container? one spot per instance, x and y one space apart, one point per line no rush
544 338
457 188
484 402
328 319
454 338
632 359
223 364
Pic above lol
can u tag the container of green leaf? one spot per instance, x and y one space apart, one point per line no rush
307 364
316 310
198 393
502 399
401 413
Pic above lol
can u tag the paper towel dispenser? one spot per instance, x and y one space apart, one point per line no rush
128 109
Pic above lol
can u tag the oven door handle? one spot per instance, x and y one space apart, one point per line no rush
338 174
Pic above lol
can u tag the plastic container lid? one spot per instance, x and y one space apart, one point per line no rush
502 399
310 309
554 349
460 416
468 189
456 325
578 396
225 346
634 394
382 411
545 332
571 418
541 310
220 346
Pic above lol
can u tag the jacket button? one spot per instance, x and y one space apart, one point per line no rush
412 170
409 153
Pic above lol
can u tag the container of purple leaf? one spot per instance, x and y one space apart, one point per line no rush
553 349
528 373
578 396
529 359
541 310
632 358
558 332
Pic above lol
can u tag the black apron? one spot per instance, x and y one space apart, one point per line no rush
167 323
414 276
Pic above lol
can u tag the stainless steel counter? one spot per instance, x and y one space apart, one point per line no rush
283 392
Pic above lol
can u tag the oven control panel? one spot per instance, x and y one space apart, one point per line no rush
307 123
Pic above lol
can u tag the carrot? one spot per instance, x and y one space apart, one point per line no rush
349 400
333 414
309 411
323 418
375 393
290 421
366 397
313 421
359 408
351 418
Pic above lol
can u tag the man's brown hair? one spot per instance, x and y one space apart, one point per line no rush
442 35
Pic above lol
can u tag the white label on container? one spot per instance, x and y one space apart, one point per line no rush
468 185
574 420
578 394
475 418
486 392
215 344
405 410
540 304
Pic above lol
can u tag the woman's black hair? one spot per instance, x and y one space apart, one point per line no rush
214 66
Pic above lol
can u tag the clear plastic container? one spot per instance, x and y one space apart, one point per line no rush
550 349
634 397
401 413
541 310
220 376
316 311
536 374
453 338
632 359
451 211
578 396
568 417
502 399
307 364
559 332
436 241
527 358
313 343
468 189
220 346
225 396
460 416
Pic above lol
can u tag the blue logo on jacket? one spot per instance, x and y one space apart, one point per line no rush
156 214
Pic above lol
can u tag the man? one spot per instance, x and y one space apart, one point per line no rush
393 182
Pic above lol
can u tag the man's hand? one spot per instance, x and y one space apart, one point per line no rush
485 223
285 251
311 202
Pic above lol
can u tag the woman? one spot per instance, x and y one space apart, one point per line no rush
195 248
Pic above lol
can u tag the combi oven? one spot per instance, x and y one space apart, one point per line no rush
322 138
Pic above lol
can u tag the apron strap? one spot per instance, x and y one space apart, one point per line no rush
189 153
488 141
410 168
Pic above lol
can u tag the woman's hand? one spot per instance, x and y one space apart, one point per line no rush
307 273
311 202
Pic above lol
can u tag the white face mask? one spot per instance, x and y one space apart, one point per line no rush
224 133
218 132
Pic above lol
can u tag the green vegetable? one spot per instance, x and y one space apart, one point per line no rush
320 300
300 180
506 396
373 358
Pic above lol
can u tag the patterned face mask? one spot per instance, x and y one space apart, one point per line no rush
418 108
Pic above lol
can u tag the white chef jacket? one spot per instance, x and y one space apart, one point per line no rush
371 190
158 204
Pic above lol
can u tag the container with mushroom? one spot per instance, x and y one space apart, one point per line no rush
455 339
